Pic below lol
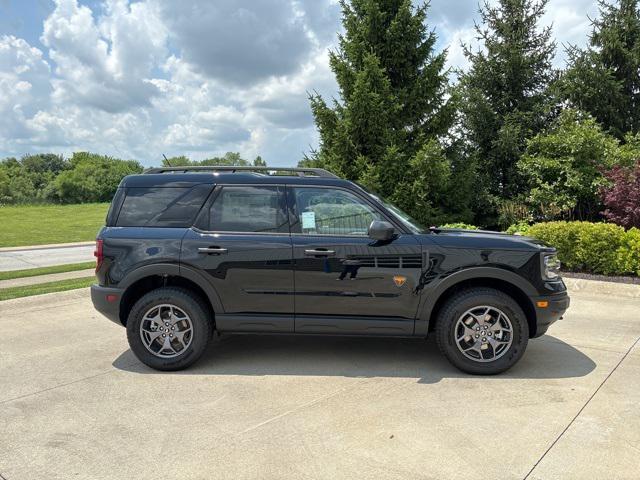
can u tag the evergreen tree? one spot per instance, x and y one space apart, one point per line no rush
604 78
505 95
388 129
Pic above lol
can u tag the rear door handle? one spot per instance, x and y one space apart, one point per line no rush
212 250
320 253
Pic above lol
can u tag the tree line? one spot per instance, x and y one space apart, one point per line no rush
83 178
508 139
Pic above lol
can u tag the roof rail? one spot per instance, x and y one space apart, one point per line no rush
300 172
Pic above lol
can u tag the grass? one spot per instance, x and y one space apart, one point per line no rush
42 224
39 289
34 272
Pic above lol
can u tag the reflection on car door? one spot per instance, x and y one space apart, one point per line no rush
346 282
246 254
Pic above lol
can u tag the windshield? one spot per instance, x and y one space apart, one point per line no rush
404 218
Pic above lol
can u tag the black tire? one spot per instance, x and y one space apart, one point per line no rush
462 302
192 306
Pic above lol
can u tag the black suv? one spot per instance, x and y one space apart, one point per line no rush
188 251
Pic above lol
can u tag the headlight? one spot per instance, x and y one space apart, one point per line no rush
551 267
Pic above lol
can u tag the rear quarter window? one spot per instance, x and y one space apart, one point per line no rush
161 206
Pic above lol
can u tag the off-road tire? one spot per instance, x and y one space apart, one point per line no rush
192 305
467 299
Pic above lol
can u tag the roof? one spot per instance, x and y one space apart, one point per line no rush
188 177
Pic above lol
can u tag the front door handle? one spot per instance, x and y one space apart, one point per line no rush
320 253
212 250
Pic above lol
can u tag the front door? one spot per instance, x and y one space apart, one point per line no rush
245 252
346 282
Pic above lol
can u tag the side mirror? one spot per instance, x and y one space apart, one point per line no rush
381 230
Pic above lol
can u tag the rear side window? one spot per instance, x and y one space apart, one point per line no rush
161 206
249 209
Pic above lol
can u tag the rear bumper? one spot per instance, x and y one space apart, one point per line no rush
545 316
107 301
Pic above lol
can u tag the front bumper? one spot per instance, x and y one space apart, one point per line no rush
556 306
107 301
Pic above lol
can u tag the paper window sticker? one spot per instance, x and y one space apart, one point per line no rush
308 220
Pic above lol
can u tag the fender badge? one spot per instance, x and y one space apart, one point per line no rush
399 280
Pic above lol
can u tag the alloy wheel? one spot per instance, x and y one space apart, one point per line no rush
483 333
166 331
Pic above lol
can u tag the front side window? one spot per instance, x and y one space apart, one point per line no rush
250 209
329 211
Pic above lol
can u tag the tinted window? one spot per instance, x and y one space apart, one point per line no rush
249 209
328 211
161 207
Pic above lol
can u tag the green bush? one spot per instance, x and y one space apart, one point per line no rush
463 226
600 248
629 253
520 228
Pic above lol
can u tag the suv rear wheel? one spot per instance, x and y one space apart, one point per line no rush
169 328
482 331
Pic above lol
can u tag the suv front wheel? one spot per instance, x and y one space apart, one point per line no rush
482 331
168 328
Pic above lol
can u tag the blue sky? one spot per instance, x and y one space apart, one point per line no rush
198 77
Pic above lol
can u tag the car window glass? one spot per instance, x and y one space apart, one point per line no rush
328 211
161 206
249 209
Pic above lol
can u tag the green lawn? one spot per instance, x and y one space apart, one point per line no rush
39 289
34 272
42 224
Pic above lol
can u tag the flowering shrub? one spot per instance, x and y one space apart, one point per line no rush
622 196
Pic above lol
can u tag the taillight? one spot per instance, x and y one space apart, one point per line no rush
98 254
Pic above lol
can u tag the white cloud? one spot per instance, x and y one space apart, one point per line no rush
106 63
136 80
25 87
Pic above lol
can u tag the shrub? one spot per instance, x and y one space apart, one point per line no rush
622 196
600 248
520 228
91 178
460 225
564 167
629 253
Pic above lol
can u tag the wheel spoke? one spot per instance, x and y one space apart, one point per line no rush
175 318
153 335
495 344
166 345
180 336
468 332
156 318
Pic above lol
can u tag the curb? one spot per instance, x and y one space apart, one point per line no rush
597 287
43 301
46 247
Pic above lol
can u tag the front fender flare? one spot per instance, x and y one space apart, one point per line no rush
433 294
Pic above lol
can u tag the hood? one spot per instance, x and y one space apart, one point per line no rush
459 238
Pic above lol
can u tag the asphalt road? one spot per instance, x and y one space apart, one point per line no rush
19 258
75 403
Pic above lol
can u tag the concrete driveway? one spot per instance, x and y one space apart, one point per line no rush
75 403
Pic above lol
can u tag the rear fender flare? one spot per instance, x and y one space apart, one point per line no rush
174 270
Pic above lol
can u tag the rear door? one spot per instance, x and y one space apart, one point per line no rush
345 281
245 251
